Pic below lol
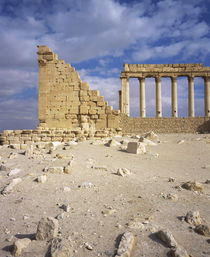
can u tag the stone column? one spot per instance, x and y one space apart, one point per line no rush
191 108
158 97
174 109
125 104
207 96
120 99
142 97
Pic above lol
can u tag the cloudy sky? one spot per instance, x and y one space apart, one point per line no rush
97 37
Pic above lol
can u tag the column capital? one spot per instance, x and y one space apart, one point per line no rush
190 76
206 78
124 77
174 78
141 78
158 78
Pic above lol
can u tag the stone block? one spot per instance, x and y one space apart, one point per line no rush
101 123
84 109
136 148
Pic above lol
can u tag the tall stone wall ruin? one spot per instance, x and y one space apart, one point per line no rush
67 102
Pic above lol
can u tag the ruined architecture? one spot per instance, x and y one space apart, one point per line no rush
158 71
69 109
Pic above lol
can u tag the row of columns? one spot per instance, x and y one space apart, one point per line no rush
124 101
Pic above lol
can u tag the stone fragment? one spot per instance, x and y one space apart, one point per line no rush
207 181
14 172
9 188
86 185
72 143
15 146
59 156
4 168
135 224
68 169
65 207
58 170
193 218
123 172
60 216
151 136
113 143
126 245
166 236
53 145
47 229
171 179
108 212
20 245
60 247
88 246
173 197
203 230
180 142
193 186
103 167
136 148
66 189
12 155
42 179
179 252
146 141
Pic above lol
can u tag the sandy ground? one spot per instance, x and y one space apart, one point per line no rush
138 197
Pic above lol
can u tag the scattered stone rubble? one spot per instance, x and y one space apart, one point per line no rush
47 229
193 186
126 245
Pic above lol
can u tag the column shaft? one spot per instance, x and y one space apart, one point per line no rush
174 109
158 97
207 96
142 97
191 108
120 99
125 103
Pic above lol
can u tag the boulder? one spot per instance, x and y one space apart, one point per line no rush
166 236
20 245
193 218
136 148
193 186
126 245
47 229
60 247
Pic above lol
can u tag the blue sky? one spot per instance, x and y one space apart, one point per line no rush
97 37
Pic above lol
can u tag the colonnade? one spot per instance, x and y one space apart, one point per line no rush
124 97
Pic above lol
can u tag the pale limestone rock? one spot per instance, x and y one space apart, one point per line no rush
146 141
123 172
68 169
66 189
42 179
58 170
166 236
88 246
151 136
193 218
180 142
203 230
126 245
14 172
108 212
20 245
15 146
113 143
193 186
60 247
86 185
171 179
179 252
47 229
135 224
136 148
173 197
9 188
12 156
53 145
102 167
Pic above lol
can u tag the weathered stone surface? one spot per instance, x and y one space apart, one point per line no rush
126 245
193 186
61 247
123 172
4 168
47 229
42 179
151 136
166 236
113 143
203 230
14 172
68 169
9 188
179 252
136 148
58 170
20 245
193 218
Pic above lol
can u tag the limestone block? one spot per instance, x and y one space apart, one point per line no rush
93 98
100 103
84 109
126 245
113 121
108 109
95 93
136 148
92 111
83 92
94 116
101 123
74 110
20 245
85 86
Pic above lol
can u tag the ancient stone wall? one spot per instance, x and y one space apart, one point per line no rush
67 102
164 125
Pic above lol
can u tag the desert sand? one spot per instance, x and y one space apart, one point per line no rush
101 204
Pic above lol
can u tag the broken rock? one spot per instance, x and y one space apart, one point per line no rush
60 247
126 245
42 179
58 170
203 230
179 252
123 172
20 245
193 218
166 236
8 189
47 229
193 186
112 143
14 172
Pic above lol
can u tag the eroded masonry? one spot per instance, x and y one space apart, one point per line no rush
69 109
